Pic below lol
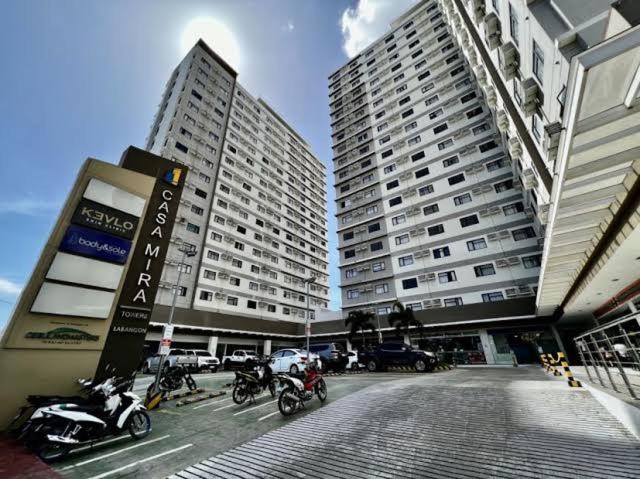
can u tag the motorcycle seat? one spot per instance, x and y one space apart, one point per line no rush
38 400
89 408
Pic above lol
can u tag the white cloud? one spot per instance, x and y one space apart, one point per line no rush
27 206
9 287
367 21
290 26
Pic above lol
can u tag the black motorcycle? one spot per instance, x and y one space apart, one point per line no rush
175 376
256 377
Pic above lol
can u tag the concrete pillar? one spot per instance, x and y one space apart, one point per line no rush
556 335
486 346
266 347
213 344
407 340
349 345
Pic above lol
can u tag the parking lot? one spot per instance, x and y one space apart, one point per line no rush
185 435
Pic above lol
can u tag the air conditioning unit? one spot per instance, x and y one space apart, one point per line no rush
515 148
484 212
262 304
220 295
492 31
456 118
513 260
223 275
481 75
476 191
529 179
360 249
465 41
502 121
478 10
493 237
413 211
360 231
409 193
543 213
509 60
491 97
494 210
531 96
478 168
406 176
417 232
473 58
425 253
264 286
469 150
367 290
363 268
502 263
226 257
511 292
461 134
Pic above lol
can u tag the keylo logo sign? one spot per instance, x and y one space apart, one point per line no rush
103 218
86 242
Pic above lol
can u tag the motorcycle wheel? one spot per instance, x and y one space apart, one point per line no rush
240 394
286 405
321 390
51 451
139 424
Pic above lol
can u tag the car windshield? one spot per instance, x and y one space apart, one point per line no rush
203 353
249 353
318 347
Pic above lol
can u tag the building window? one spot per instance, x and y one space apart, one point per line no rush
441 252
395 201
348 236
200 193
469 221
251 304
353 293
382 288
409 283
414 141
532 261
418 156
484 270
234 281
453 302
213 255
390 168
193 228
435 230
462 199
231 301
423 172
206 295
351 273
491 297
513 208
392 184
425 190
453 180
503 186
468 97
476 244
475 112
495 165
350 253
377 246
447 277
430 209
514 25
197 210
536 124
396 220
447 162
378 266
538 62
373 228
523 233
208 274
445 144
402 239
182 291
440 128
405 260
480 129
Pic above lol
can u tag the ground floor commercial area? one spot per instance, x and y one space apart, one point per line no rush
488 333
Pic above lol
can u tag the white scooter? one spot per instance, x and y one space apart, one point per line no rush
60 424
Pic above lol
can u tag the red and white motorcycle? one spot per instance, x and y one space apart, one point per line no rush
298 390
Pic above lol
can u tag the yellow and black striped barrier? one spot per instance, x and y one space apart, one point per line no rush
549 363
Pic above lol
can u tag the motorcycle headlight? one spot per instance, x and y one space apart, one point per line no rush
430 354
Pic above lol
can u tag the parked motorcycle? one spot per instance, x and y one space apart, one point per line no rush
60 424
175 376
257 377
297 391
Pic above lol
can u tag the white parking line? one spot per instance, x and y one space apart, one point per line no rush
254 407
104 456
102 443
224 407
268 415
141 461
217 401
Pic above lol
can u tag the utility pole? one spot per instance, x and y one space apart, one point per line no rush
168 328
307 328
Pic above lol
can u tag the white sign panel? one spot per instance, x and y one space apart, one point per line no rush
117 198
77 269
72 301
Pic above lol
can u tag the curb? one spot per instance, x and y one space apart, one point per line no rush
192 400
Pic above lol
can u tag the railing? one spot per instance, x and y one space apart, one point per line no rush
461 357
610 355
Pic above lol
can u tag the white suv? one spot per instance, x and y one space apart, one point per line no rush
290 360
206 360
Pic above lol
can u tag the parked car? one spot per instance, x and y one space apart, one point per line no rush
176 357
333 356
290 360
238 358
397 354
353 363
206 360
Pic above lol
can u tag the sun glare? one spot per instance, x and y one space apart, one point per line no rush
215 34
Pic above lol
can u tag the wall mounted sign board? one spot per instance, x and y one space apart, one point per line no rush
112 196
94 244
84 271
53 298
104 218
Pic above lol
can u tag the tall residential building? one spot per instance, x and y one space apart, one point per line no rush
429 210
254 204
484 150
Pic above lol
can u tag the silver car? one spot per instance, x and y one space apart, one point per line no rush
175 357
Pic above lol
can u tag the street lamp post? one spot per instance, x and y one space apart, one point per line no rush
187 252
379 332
307 327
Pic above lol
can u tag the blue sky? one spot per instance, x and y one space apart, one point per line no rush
83 79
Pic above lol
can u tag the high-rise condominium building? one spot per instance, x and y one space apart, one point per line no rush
483 150
254 206
429 210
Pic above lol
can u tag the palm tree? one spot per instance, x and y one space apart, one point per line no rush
359 321
403 319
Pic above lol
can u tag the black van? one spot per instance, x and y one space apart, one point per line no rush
332 355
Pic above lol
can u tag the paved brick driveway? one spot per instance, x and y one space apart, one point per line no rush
470 423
